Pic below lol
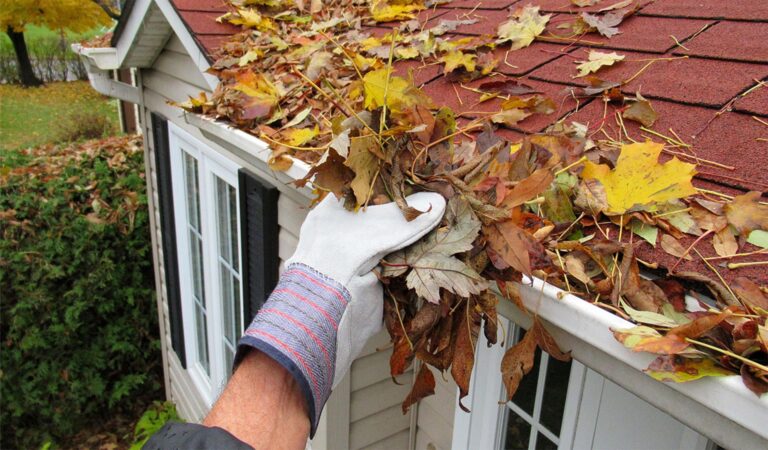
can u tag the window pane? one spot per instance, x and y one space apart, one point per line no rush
223 218
518 432
542 443
192 196
201 327
233 228
555 390
238 307
228 305
229 357
526 392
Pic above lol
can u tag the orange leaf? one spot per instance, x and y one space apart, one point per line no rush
424 386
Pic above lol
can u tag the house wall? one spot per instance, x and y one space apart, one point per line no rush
365 408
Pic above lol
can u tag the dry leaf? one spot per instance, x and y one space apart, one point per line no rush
674 247
523 27
746 213
597 60
423 386
641 111
639 182
517 362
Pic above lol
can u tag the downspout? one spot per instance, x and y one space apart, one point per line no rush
99 64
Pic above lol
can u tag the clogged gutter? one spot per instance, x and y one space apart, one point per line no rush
317 81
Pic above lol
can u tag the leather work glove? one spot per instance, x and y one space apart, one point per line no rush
328 302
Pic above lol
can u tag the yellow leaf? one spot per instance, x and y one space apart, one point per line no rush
364 163
262 95
454 60
382 11
297 137
523 27
380 85
596 61
680 369
638 181
250 56
406 52
248 18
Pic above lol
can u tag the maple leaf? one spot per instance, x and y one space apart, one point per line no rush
596 61
639 182
523 27
746 213
381 86
606 24
455 59
517 362
431 261
262 95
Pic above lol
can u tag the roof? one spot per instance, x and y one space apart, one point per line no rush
702 63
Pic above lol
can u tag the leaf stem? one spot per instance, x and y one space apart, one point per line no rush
746 361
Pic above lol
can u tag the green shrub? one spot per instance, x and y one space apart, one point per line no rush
84 125
78 320
151 421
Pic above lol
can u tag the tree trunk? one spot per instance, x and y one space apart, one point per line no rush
26 74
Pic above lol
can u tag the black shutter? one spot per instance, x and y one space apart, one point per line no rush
258 222
168 229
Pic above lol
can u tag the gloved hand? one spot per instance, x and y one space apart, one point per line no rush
328 302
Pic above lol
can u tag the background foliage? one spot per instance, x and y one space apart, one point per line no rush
79 323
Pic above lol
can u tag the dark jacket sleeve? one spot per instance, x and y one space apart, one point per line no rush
191 436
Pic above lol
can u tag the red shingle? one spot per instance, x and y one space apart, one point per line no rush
205 23
635 34
201 5
520 62
421 73
211 42
740 41
756 102
568 6
691 80
710 9
481 4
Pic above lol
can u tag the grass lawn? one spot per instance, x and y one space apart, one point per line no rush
36 116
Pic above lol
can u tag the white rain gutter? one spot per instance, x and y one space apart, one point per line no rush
99 64
721 408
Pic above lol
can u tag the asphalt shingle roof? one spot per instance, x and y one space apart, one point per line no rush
707 99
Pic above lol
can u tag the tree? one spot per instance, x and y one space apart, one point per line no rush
74 15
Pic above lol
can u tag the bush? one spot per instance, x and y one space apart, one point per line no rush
78 319
84 125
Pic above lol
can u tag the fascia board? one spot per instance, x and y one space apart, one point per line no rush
721 408
178 26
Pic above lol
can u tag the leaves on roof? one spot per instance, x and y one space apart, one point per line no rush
565 205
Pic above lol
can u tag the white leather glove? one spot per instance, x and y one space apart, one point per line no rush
328 302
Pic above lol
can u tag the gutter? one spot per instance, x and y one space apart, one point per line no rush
721 408
99 64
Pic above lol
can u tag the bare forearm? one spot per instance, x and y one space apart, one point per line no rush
262 406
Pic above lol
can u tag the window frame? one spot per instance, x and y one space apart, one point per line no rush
210 165
484 427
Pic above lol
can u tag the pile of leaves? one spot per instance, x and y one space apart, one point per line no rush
317 83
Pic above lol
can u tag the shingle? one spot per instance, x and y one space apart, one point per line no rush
739 41
755 102
756 10
205 23
202 5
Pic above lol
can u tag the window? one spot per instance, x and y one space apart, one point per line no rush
206 208
542 414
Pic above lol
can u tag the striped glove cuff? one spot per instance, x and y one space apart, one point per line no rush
297 327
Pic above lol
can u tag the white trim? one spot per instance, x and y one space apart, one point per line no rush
131 29
172 16
210 166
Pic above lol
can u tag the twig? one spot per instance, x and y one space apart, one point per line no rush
722 280
747 264
746 361
736 255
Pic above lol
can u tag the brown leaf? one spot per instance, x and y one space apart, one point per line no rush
528 189
642 294
517 362
674 247
641 111
546 342
507 87
331 175
722 294
674 290
467 326
699 326
401 358
512 244
746 213
749 292
487 302
424 386
724 243
754 384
